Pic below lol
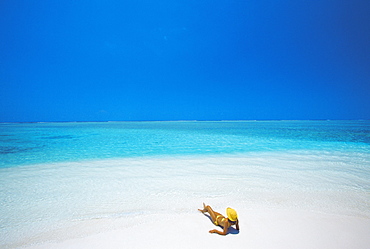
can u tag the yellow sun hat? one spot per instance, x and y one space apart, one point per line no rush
231 214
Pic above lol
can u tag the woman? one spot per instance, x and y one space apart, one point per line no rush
219 220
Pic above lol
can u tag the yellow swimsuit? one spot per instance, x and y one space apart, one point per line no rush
216 223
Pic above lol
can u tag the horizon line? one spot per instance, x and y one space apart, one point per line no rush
182 120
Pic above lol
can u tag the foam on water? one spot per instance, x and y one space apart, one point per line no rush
61 199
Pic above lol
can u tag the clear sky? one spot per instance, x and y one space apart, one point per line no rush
184 60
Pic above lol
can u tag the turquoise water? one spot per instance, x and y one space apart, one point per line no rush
34 143
62 180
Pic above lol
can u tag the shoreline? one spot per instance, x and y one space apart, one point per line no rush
93 202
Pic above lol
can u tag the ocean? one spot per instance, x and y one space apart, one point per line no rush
59 180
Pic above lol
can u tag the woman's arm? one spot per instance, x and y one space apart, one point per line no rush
224 232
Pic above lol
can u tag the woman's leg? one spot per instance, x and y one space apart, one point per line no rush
208 209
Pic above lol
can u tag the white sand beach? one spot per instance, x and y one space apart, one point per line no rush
153 203
258 229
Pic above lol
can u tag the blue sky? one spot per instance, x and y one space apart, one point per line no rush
184 60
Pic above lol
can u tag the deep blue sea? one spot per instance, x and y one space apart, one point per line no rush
60 180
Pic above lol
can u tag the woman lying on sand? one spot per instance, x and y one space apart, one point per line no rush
219 220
